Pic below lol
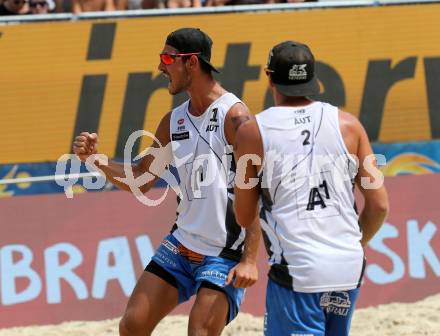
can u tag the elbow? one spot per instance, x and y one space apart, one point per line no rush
144 189
383 207
149 183
380 207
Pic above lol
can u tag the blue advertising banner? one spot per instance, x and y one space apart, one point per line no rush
27 171
410 158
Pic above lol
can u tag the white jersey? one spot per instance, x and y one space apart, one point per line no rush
205 218
310 224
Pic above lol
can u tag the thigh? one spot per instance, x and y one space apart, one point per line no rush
339 307
213 272
152 299
170 259
209 313
292 313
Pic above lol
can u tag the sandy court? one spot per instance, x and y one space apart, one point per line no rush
397 319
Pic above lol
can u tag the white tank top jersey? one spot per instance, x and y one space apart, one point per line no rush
308 215
205 218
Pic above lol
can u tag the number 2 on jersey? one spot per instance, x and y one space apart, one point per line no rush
306 140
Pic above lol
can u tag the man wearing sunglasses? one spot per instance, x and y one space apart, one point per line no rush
207 254
309 156
14 7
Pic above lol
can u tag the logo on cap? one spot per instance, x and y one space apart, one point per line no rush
298 72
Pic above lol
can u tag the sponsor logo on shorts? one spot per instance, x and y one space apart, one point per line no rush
165 260
170 246
337 303
214 274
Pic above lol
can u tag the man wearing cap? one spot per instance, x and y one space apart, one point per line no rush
306 155
207 253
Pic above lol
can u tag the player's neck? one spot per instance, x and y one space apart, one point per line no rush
203 93
292 101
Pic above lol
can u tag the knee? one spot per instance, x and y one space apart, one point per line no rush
203 327
130 325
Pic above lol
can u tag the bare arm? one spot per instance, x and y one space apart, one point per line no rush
239 125
249 155
245 273
248 152
376 198
151 167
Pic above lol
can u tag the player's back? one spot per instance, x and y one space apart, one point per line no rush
308 216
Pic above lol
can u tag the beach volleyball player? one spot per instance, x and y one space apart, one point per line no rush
207 253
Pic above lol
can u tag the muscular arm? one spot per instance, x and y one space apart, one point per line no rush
376 199
240 127
236 116
245 272
151 166
249 154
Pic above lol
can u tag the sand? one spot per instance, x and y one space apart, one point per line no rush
397 319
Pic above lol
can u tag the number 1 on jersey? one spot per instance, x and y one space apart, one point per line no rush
197 182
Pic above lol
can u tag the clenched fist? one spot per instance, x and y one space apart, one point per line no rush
85 145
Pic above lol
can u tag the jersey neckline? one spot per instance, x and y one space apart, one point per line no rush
203 115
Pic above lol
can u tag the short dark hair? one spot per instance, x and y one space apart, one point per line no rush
206 68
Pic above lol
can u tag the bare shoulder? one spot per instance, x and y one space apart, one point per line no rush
166 119
351 130
237 115
249 129
163 130
248 138
348 121
350 124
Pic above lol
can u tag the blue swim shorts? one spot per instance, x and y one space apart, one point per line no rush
290 313
188 271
